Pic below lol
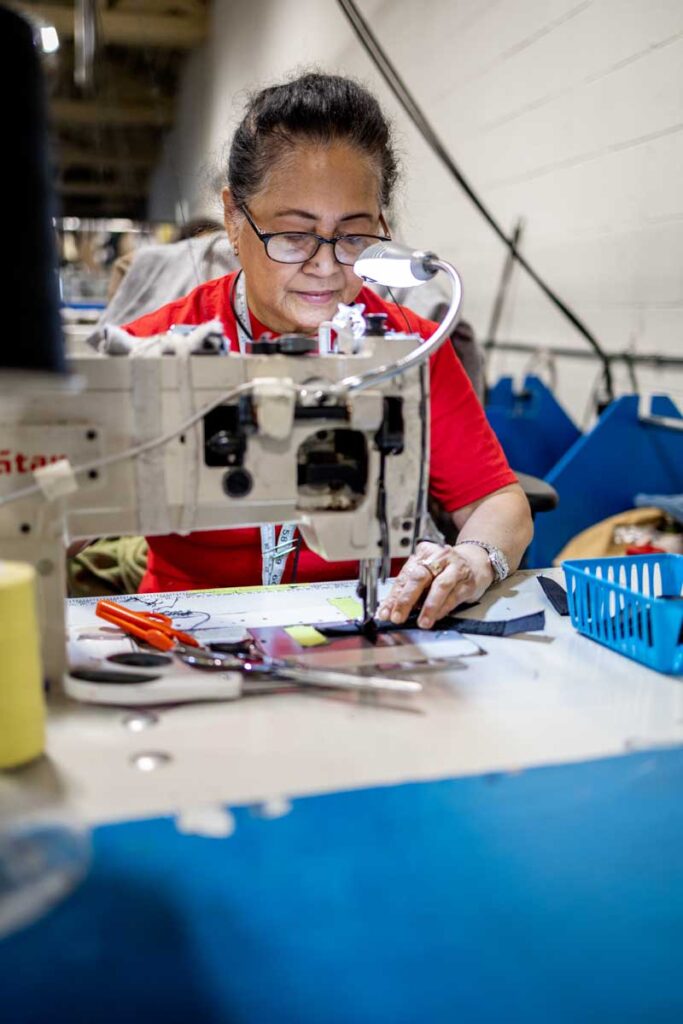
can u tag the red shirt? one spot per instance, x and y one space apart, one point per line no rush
466 460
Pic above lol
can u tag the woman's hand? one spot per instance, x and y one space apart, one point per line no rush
446 577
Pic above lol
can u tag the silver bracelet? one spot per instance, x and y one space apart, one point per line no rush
497 558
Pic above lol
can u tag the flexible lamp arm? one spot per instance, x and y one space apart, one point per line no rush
398 266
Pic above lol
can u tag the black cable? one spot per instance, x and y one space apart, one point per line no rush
401 309
400 91
381 516
421 509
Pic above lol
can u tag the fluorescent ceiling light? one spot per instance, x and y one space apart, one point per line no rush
49 40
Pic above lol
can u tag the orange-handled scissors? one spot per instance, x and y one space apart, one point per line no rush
152 627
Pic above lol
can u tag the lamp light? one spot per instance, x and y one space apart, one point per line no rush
395 265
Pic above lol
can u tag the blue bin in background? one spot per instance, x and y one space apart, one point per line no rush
531 425
603 471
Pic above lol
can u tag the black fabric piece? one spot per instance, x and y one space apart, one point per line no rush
503 627
555 593
674 597
633 624
336 630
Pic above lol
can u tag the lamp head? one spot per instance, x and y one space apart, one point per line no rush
395 265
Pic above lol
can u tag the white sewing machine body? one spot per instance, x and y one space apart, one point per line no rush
267 456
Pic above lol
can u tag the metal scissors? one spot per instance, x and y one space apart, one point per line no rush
244 657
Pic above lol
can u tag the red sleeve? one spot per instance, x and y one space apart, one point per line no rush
182 311
466 459
205 302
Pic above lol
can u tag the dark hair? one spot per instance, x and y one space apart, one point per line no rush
198 226
315 107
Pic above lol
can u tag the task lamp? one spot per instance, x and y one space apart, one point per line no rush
398 266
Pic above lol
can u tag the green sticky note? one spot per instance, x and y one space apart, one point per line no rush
348 606
306 636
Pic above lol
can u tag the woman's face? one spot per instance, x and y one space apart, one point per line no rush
328 189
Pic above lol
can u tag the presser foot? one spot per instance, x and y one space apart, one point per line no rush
368 628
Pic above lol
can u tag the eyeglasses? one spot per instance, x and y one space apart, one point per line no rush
301 246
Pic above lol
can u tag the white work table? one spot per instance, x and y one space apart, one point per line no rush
275 868
534 699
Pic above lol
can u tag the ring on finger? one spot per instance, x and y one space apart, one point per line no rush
435 566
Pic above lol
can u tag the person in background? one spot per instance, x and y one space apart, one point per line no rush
143 280
311 169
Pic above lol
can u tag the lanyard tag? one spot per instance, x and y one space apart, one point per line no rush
274 555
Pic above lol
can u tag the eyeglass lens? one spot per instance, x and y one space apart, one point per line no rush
299 246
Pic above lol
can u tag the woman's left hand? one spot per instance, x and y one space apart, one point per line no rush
446 577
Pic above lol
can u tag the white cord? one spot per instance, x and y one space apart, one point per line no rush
137 450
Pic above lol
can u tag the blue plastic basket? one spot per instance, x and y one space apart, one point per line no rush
634 605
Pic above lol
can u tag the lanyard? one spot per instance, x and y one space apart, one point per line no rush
241 311
274 553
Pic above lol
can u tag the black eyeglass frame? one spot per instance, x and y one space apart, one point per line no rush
265 237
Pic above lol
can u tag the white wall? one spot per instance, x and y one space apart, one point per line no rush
568 113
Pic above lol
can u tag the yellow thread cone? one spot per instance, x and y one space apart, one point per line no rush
22 706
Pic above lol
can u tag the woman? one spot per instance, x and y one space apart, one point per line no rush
311 168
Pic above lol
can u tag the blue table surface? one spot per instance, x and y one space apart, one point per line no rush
550 895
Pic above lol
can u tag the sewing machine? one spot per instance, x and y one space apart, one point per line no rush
176 434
